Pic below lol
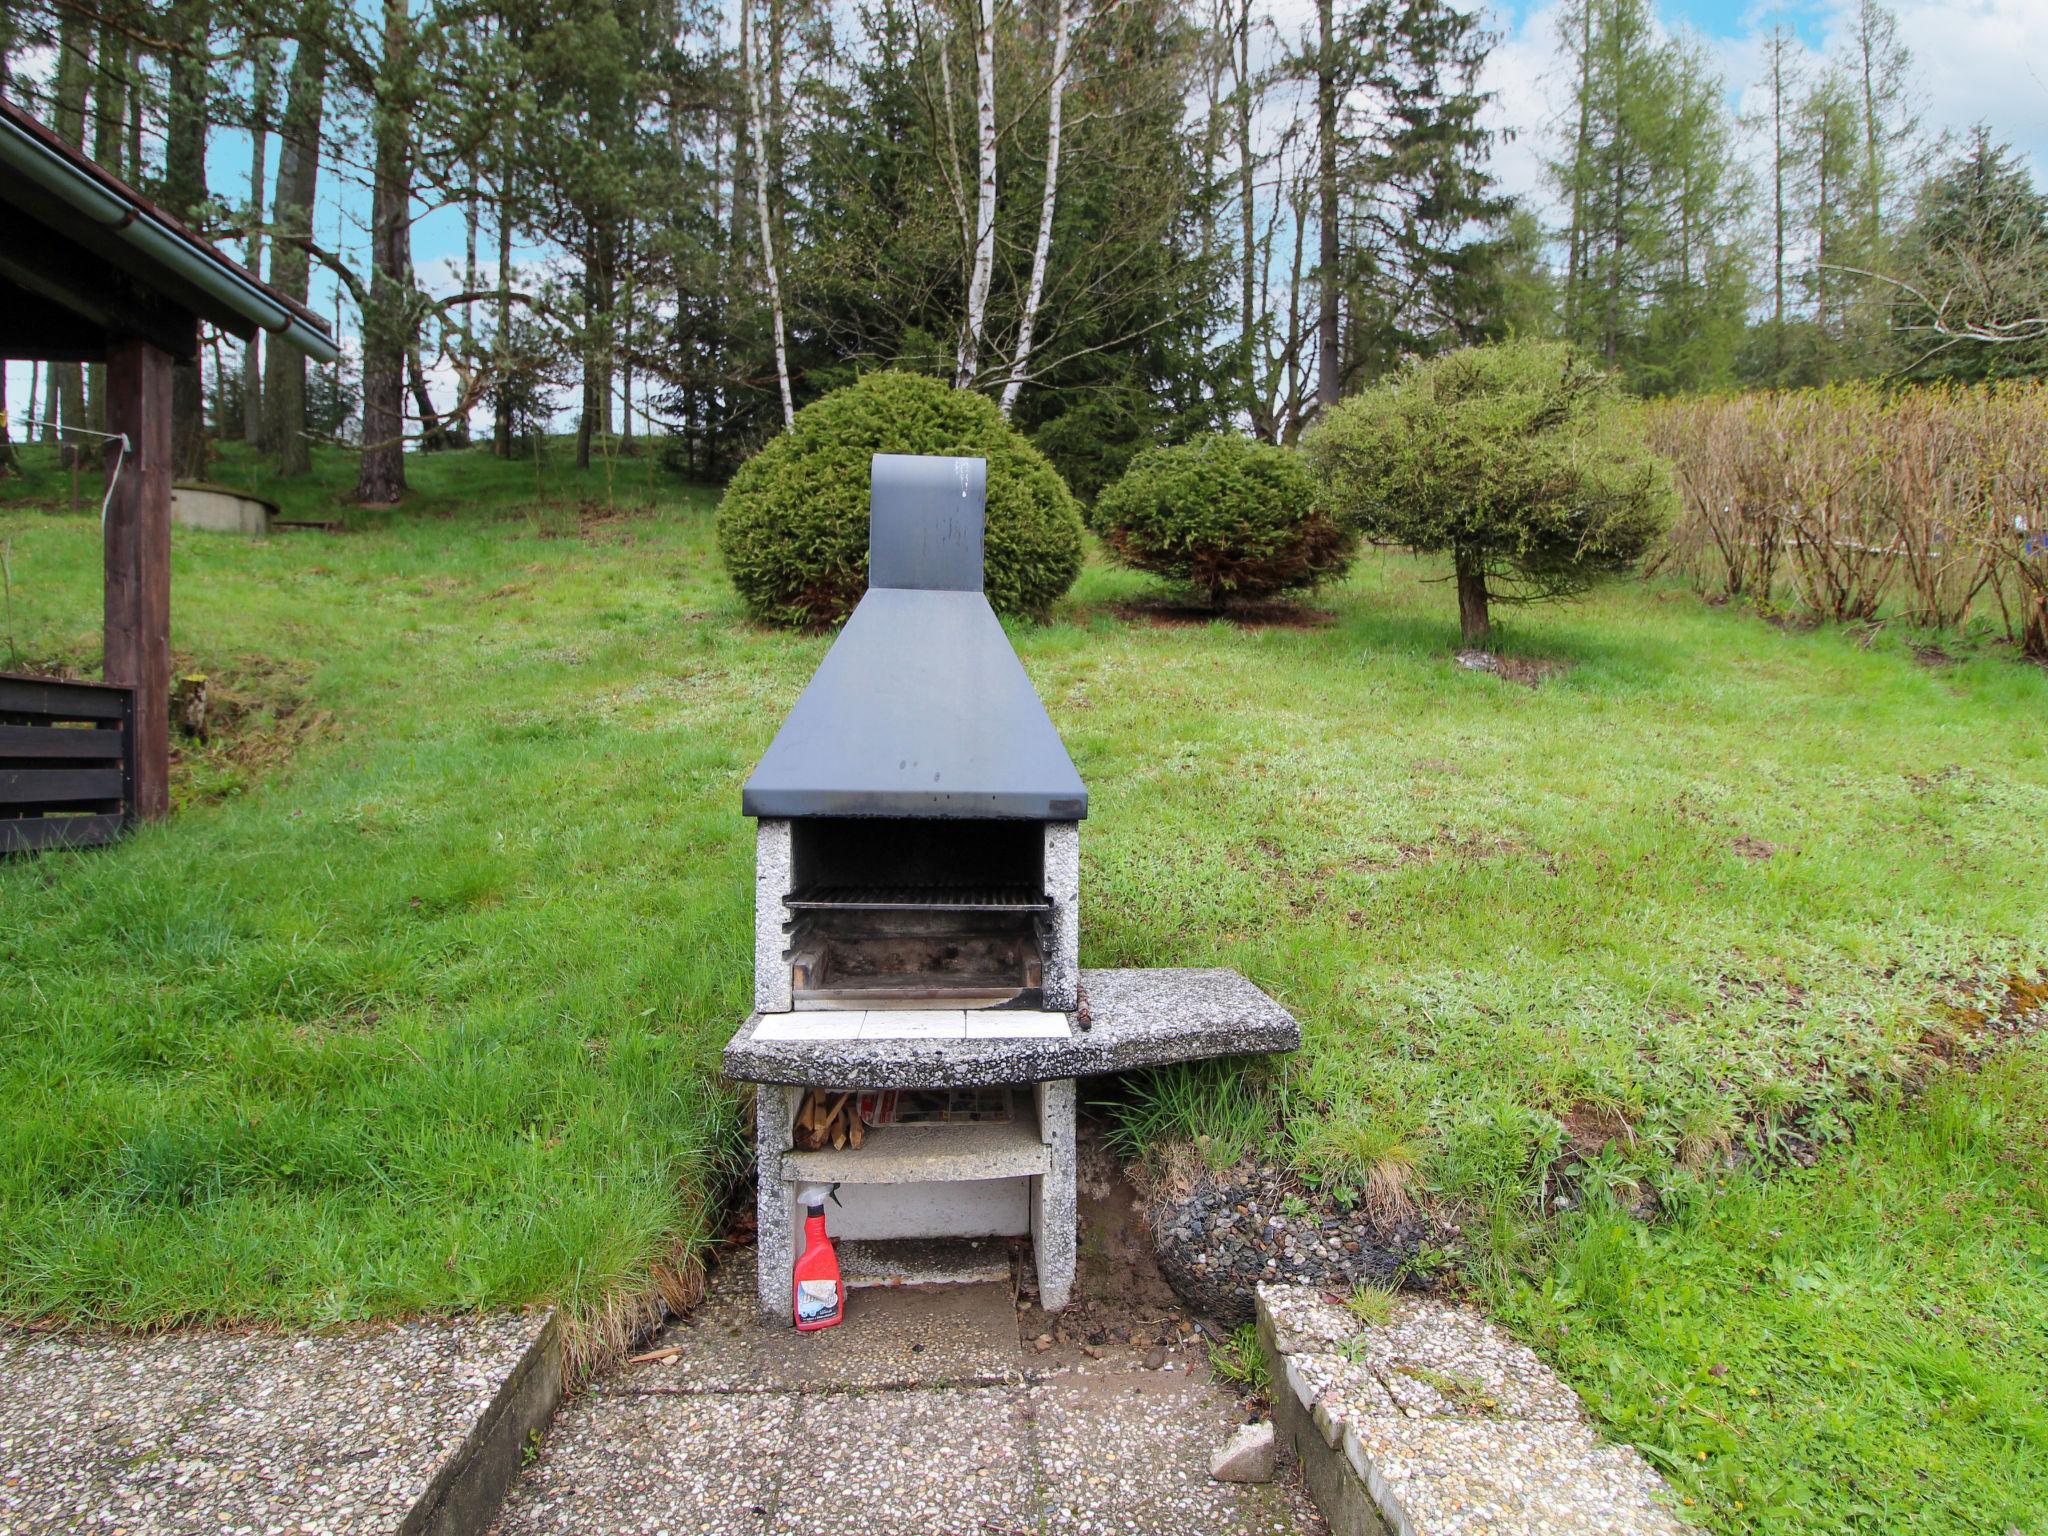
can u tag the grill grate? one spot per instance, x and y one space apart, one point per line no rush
923 898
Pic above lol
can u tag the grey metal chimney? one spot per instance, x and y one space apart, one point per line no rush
920 708
925 518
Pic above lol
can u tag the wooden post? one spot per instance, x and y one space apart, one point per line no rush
138 559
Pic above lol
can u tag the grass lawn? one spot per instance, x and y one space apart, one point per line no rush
416 1003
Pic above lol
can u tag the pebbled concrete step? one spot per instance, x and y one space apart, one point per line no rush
416 1428
1431 1421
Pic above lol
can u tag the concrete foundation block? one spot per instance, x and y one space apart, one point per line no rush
1055 1216
775 1107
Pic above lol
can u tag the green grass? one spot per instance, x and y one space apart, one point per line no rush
1862 1346
416 1003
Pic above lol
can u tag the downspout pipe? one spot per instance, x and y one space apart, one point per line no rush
139 227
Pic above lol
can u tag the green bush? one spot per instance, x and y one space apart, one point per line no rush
793 528
1228 516
1518 460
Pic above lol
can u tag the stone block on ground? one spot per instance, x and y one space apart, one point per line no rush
1246 1457
1429 1420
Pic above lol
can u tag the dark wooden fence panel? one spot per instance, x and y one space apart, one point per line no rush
67 763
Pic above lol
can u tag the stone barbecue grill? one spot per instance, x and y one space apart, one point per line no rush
917 929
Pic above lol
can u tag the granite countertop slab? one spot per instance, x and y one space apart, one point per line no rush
1137 1018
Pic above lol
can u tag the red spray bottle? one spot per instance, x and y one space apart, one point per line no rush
820 1295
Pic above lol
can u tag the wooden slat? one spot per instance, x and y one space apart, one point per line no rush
62 742
29 833
58 786
61 700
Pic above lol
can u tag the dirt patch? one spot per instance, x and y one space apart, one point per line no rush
591 520
1529 671
1461 847
1755 848
1121 1295
600 524
231 724
1591 1129
1977 1016
1270 614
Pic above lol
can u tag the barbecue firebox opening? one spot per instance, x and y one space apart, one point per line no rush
917 913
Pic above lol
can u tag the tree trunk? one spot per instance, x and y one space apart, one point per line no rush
1575 250
967 361
1473 624
75 42
1778 204
625 335
291 210
263 85
590 421
501 405
1069 19
381 479
1247 216
433 435
1329 371
184 194
109 116
759 136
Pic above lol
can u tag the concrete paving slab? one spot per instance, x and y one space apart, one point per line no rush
362 1429
909 1464
1423 1418
1128 1455
893 1336
1435 1477
657 1465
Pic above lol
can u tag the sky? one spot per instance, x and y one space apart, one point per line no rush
1975 61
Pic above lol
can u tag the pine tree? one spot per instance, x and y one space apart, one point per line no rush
1660 281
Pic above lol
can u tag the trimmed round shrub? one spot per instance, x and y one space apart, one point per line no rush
1228 516
793 528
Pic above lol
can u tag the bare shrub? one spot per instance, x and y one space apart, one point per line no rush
1851 503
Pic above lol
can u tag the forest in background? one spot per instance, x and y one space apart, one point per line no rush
1126 220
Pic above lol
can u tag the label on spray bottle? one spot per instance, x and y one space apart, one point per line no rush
816 1299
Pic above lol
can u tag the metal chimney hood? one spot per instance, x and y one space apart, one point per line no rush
921 708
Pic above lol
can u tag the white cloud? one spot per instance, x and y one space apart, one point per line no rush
1974 61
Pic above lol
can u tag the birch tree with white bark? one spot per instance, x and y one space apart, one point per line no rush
1072 13
758 133
974 324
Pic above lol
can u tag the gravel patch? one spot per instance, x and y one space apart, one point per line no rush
1224 1234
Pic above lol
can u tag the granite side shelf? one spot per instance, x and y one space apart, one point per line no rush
1137 1018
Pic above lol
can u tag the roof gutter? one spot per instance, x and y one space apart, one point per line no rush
141 228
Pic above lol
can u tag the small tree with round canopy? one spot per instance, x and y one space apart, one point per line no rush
1517 460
